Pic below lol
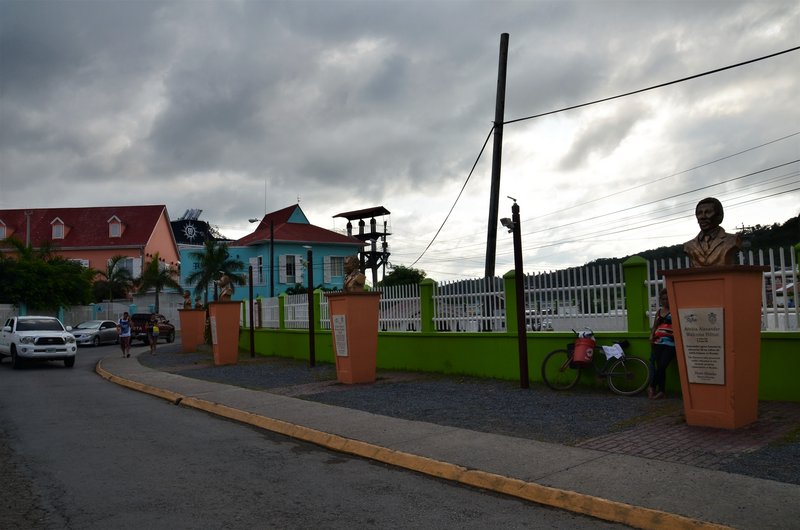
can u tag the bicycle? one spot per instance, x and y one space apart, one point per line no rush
626 376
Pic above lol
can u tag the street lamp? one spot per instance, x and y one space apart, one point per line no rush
310 268
513 226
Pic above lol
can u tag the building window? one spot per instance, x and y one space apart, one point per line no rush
337 266
58 230
290 269
2 232
114 230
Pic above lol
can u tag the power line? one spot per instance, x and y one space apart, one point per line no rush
483 148
485 142
715 71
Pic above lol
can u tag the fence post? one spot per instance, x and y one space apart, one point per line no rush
426 307
317 309
637 300
281 314
510 290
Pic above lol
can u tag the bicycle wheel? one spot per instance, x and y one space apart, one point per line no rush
556 371
628 376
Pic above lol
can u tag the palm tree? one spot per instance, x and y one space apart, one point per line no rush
153 276
214 259
117 279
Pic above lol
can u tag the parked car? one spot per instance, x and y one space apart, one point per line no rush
96 332
37 339
141 324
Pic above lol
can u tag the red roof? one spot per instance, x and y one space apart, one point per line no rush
285 231
85 227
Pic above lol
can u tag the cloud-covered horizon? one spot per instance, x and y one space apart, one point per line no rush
352 104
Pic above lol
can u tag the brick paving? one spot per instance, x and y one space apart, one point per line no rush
670 439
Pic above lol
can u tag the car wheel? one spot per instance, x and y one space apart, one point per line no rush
69 362
96 342
171 337
16 362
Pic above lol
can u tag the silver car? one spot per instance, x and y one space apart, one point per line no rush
96 332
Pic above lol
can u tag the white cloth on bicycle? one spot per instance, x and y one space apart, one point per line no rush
613 352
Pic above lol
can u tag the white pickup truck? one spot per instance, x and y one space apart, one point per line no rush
33 338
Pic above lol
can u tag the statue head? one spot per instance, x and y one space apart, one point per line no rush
351 264
709 213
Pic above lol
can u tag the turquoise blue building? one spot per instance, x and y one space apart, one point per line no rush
278 251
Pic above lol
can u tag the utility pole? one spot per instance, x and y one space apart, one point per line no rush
497 157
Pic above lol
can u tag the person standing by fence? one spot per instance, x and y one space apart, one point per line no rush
662 347
124 330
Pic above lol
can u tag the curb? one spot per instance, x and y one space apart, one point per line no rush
597 507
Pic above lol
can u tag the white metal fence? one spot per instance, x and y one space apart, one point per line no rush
400 308
779 290
470 305
592 296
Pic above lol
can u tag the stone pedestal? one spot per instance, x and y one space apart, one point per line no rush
354 325
224 322
716 315
193 329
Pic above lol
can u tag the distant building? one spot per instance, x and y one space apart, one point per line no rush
92 236
276 250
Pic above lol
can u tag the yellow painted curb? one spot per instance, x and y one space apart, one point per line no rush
141 387
619 512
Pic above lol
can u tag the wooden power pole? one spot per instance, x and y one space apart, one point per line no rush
497 157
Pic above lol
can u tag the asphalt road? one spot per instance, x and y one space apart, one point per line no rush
79 452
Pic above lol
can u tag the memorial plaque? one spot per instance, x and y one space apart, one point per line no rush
213 325
703 337
340 334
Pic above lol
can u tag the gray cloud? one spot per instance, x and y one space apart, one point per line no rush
197 101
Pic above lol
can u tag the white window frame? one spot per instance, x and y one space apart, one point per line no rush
333 268
57 228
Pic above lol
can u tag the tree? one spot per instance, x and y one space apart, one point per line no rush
154 277
401 275
117 281
214 259
41 280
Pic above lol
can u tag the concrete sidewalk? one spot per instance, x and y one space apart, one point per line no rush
634 490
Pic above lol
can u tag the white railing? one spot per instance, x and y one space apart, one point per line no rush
295 311
400 308
779 291
270 313
575 298
470 305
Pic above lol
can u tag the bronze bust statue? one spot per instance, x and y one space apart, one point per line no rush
187 300
712 246
353 278
225 287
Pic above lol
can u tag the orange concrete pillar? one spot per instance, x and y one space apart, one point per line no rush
354 325
224 322
716 315
193 328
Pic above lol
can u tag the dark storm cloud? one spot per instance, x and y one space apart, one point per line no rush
201 103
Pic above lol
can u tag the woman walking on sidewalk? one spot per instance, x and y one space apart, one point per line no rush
662 349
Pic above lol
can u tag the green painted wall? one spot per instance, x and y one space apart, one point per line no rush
495 355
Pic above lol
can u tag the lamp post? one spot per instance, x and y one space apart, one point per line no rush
250 311
310 268
513 226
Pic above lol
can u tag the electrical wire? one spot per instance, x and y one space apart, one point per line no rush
471 171
662 85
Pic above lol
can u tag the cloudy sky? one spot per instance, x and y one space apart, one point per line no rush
243 107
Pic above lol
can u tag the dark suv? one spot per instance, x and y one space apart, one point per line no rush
141 326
